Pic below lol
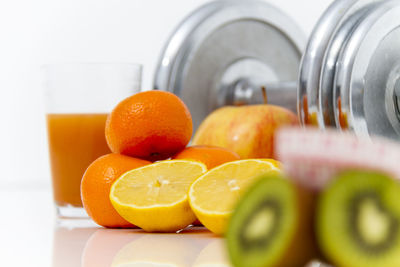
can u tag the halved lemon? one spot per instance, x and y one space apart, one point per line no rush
154 197
213 196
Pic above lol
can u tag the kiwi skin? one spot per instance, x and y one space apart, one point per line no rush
301 246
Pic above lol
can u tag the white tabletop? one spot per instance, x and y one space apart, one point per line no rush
32 236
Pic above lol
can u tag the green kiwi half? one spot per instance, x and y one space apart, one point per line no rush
272 225
358 220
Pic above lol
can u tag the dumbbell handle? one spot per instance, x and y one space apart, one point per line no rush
245 91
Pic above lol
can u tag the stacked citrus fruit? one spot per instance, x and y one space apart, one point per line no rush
153 181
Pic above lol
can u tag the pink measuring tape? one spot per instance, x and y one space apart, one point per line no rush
313 157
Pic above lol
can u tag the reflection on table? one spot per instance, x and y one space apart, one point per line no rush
99 247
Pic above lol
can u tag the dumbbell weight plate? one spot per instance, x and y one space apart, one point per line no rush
368 68
223 42
311 104
326 84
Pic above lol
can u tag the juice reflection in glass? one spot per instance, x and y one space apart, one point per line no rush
78 98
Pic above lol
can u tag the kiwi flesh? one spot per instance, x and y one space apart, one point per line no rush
358 220
272 225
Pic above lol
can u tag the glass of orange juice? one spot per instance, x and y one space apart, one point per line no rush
78 99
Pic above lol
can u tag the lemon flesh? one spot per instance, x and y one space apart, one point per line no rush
214 195
154 197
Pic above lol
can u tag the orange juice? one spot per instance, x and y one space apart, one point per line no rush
75 140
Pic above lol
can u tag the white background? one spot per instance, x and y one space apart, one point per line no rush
36 32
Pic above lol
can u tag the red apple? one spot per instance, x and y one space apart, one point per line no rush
247 130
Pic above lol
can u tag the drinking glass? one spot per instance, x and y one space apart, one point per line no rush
78 99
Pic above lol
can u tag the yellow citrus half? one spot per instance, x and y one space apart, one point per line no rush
154 197
213 196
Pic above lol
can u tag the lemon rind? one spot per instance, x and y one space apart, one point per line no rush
116 200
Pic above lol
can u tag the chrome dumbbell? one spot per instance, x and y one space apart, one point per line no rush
348 76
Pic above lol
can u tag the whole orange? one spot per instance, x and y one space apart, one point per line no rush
211 156
152 125
95 188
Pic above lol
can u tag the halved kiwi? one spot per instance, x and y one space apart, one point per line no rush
272 225
358 220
